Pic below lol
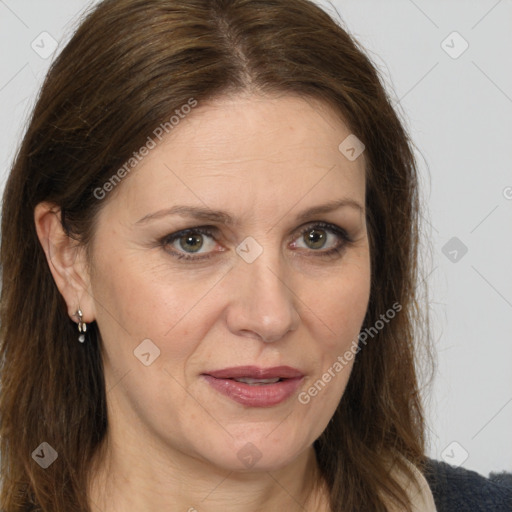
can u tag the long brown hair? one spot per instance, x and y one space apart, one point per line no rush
128 67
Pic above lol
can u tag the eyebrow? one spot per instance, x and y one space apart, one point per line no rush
223 217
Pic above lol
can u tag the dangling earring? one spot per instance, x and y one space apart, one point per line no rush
82 326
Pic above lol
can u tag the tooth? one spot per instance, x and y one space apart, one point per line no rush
247 380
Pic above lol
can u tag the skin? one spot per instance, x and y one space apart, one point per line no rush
173 441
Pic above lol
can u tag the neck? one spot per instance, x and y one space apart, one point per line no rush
132 476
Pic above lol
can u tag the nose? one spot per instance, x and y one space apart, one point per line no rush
263 303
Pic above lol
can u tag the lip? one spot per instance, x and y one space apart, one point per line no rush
255 372
264 395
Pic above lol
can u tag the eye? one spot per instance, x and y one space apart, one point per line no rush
198 243
187 242
315 238
322 238
191 241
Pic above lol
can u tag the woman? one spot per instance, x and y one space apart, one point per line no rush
209 243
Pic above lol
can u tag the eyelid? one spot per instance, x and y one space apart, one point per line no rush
327 226
208 230
212 231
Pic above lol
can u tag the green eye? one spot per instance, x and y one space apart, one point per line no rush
315 238
199 243
184 244
191 242
323 239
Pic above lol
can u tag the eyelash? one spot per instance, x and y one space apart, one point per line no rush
210 231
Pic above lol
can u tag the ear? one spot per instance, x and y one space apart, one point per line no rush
67 261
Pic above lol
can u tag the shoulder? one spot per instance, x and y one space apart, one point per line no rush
417 488
463 490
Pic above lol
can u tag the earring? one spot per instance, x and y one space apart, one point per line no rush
82 326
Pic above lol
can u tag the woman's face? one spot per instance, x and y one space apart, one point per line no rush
263 285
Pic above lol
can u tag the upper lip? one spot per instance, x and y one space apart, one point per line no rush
256 372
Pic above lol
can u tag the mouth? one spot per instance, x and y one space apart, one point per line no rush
253 386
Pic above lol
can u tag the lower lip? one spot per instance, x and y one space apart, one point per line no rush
262 395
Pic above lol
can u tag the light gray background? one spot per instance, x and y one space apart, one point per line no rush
459 114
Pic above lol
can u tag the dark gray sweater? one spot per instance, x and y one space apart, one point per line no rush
463 490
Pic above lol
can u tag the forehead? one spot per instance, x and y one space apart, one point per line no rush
248 151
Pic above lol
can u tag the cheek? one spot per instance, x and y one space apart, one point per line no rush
341 300
338 308
340 305
138 301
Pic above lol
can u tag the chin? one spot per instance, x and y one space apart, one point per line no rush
254 453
